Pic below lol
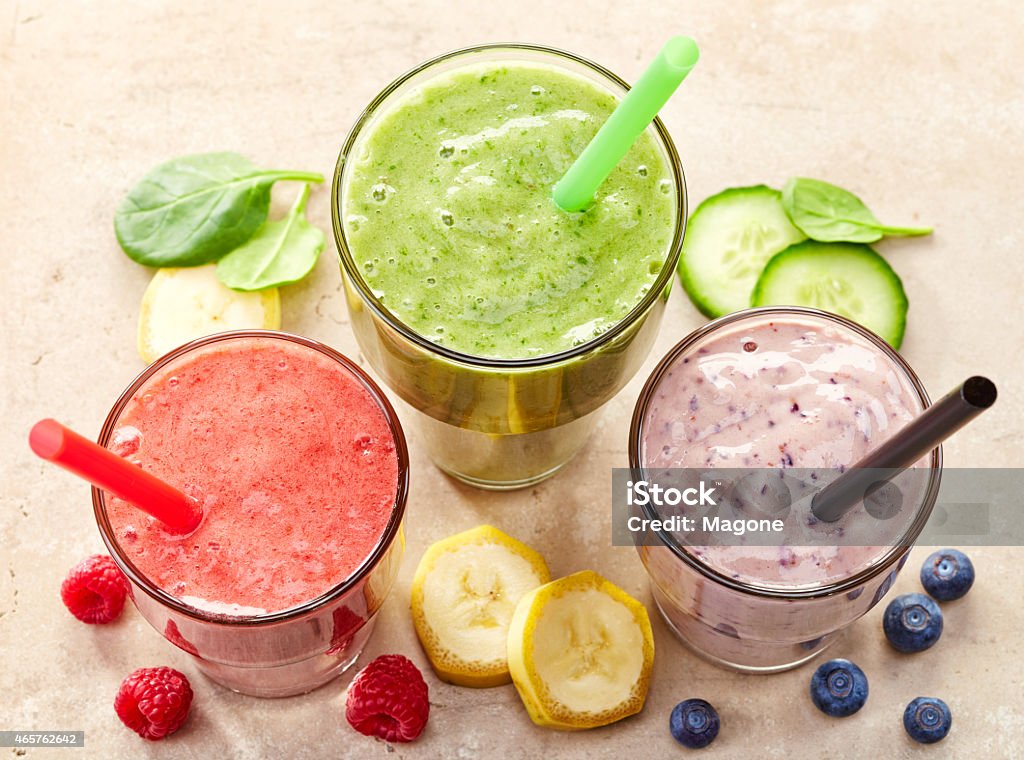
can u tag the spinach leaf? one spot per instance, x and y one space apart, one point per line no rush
194 209
829 214
281 252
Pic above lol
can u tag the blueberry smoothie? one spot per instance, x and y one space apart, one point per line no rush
779 389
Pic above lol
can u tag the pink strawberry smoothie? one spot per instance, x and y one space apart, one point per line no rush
291 457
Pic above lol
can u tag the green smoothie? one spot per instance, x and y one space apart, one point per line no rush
450 221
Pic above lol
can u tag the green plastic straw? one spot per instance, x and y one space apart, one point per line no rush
576 189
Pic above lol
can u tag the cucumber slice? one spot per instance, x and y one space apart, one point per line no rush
728 240
844 278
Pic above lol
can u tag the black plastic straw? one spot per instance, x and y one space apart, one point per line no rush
936 424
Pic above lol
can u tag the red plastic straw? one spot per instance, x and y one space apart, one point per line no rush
116 475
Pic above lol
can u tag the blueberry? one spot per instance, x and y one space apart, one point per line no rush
927 720
947 575
839 688
912 622
694 723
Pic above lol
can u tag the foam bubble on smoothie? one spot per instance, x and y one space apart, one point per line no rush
126 441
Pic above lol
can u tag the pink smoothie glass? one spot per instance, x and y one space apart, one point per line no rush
290 651
733 619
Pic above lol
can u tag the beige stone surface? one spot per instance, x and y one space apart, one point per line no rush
916 106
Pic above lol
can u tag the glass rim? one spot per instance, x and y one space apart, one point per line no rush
888 558
663 281
334 593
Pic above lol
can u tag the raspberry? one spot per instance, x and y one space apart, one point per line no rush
94 590
388 699
153 702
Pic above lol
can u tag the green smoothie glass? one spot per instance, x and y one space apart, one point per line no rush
503 403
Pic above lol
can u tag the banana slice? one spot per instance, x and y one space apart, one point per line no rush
180 305
463 596
580 651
